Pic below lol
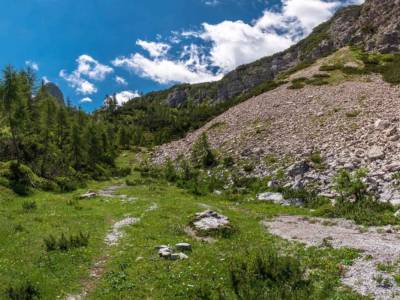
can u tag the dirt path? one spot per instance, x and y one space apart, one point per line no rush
115 234
378 246
110 192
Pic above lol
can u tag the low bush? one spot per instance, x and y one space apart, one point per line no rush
122 172
268 275
64 243
298 83
26 291
67 184
367 211
356 203
29 205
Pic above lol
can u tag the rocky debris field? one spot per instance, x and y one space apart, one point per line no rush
379 246
351 125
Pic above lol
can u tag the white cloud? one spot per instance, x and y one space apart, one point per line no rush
81 85
155 49
33 65
91 68
211 2
224 46
235 43
125 96
88 68
45 79
86 100
165 70
120 80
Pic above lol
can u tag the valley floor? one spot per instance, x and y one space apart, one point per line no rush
126 223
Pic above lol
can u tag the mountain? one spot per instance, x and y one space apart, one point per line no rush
54 91
374 26
336 107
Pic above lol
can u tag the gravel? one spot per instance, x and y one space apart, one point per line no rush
378 245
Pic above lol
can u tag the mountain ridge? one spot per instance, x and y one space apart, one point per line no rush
357 25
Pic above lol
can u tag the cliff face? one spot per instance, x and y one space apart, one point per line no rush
375 26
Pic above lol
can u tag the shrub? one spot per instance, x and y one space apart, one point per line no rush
29 205
351 185
170 173
26 291
50 243
268 275
249 167
202 155
316 158
228 161
367 211
67 184
328 68
22 178
356 203
65 243
122 172
298 83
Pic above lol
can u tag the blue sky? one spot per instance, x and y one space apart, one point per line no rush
92 48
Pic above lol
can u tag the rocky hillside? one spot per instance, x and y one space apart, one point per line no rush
314 125
374 26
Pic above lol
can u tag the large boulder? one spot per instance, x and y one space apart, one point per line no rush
209 220
298 169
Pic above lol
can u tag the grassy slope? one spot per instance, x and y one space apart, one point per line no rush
23 257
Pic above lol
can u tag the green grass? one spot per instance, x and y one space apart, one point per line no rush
133 269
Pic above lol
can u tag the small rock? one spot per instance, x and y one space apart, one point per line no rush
351 64
273 184
376 153
165 252
381 124
176 256
298 169
274 197
393 167
88 195
390 131
183 246
161 247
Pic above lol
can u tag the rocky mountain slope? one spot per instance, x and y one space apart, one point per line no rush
374 26
347 121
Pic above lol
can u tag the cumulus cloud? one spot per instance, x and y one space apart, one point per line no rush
86 100
88 69
33 65
125 96
155 49
222 47
120 80
81 85
190 67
